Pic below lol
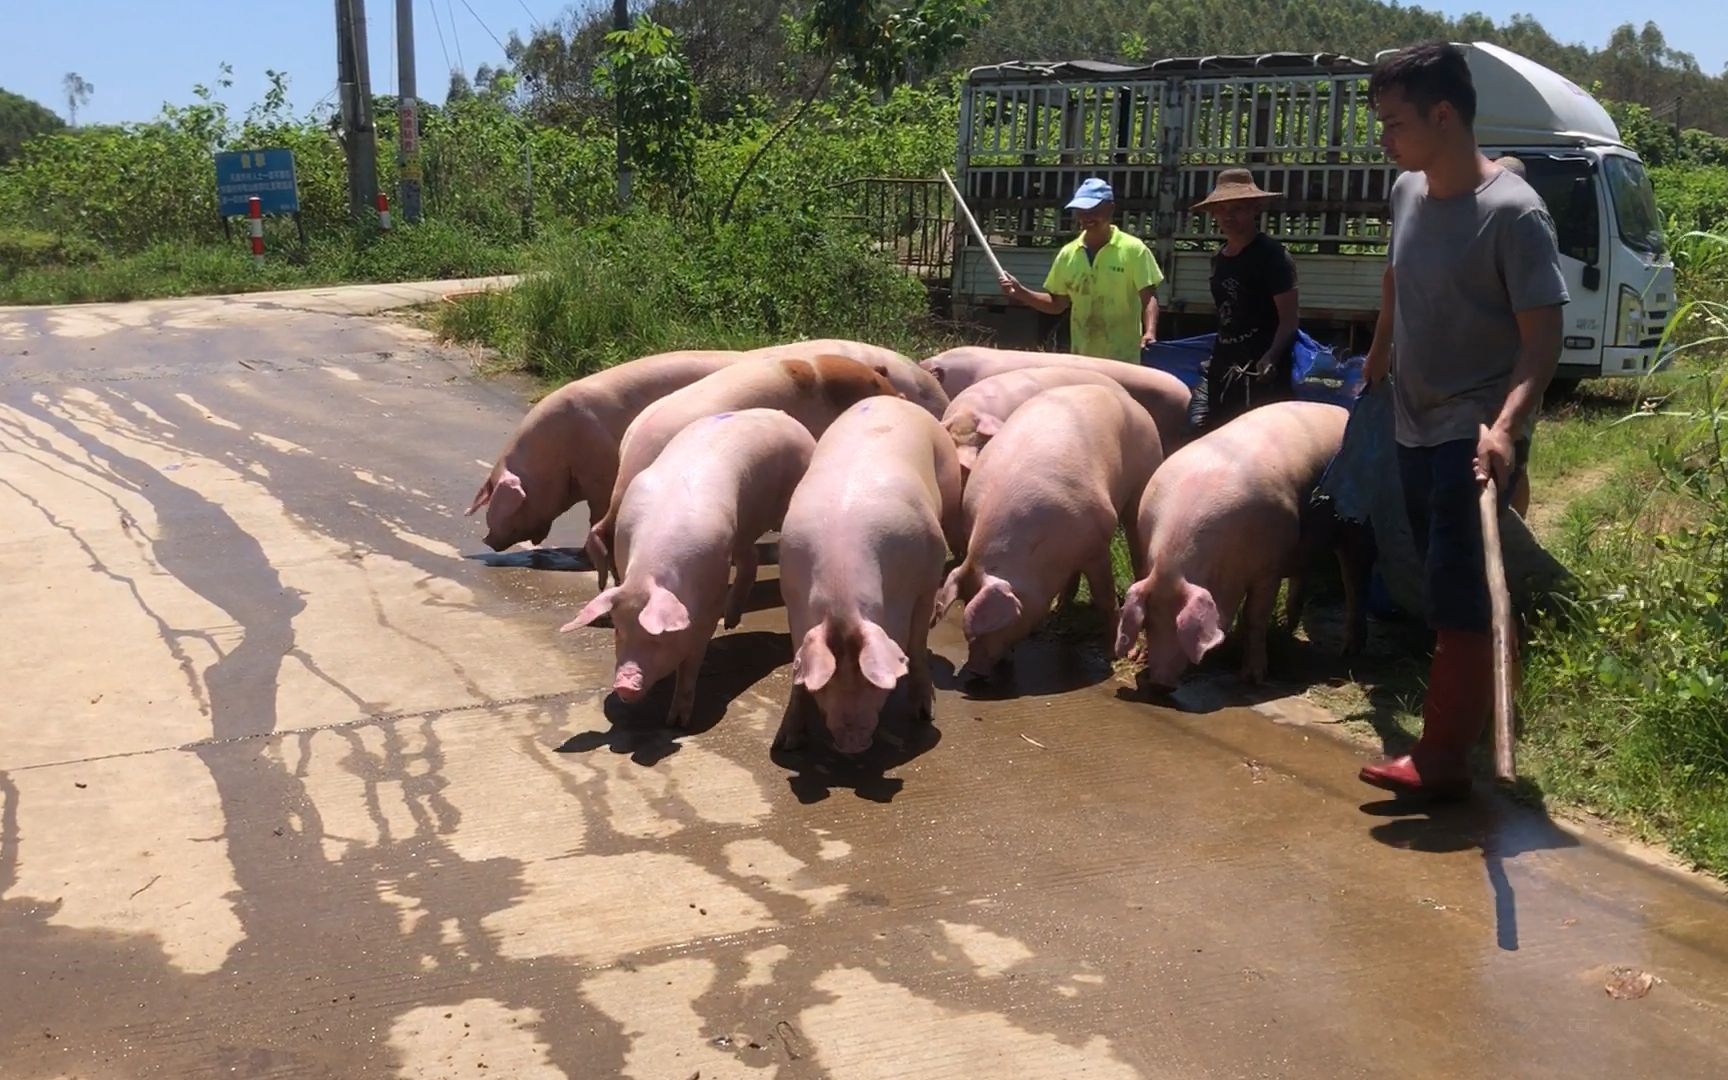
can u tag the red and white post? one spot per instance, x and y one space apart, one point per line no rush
383 211
255 213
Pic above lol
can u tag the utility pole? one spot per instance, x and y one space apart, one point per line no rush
407 114
359 139
621 21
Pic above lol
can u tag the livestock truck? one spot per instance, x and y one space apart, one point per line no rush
1161 132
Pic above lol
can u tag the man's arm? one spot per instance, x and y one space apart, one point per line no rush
1539 340
1289 320
1380 350
1048 303
1148 315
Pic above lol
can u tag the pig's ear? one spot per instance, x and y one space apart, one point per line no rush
813 664
947 594
664 613
1132 620
994 608
882 661
987 425
1197 624
508 493
968 456
933 369
597 607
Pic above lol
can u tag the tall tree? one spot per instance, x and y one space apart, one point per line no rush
77 93
20 118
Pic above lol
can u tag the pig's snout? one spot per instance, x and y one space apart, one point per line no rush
627 684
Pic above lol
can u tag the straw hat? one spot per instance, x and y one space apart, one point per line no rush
1235 185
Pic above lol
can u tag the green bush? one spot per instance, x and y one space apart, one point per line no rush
647 283
1628 694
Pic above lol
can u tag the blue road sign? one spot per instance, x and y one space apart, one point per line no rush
268 174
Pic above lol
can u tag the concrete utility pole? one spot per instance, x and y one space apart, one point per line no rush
359 139
407 114
621 21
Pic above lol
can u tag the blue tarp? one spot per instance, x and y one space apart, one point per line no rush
1317 373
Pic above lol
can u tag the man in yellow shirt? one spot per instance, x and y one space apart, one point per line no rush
1106 277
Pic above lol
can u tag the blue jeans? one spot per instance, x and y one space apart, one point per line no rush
1440 499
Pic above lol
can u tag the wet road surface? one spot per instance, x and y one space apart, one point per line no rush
295 784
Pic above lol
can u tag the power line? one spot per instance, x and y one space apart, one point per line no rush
532 21
456 35
433 4
483 25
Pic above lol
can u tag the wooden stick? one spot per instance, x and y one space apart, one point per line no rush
1500 601
960 205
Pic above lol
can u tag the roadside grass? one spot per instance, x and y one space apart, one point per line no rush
645 284
429 250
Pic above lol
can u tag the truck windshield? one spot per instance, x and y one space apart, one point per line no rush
1634 205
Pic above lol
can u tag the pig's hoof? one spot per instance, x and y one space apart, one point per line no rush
732 620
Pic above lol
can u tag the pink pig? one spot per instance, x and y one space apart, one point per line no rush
861 558
566 449
1043 503
914 383
1222 524
812 391
1161 393
719 485
977 413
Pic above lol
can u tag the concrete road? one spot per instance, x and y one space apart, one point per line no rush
294 784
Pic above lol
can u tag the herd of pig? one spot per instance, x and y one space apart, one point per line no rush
987 478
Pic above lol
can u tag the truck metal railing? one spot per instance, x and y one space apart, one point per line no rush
909 219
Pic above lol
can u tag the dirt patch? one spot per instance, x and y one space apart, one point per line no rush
1548 506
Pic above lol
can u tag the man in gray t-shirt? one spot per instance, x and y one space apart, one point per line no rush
1470 331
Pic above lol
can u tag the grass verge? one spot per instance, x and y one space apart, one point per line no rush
428 251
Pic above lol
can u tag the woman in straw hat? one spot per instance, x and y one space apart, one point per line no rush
1254 287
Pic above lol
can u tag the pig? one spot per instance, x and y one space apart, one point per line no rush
913 382
977 413
1042 505
813 391
861 556
1162 394
720 484
1222 523
566 449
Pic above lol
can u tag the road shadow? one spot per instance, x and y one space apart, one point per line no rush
1499 827
1042 665
818 770
558 559
734 664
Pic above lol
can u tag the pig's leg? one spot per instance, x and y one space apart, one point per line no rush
1258 608
684 691
1101 579
1356 565
918 650
1069 593
1296 598
791 733
1136 543
745 560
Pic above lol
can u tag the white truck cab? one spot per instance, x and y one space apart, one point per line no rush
1161 132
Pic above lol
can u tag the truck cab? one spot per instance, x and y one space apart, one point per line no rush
1161 132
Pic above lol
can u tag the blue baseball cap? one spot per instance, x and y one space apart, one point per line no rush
1090 194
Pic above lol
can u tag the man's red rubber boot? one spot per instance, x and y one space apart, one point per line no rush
1459 700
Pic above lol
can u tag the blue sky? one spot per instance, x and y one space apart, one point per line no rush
144 52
